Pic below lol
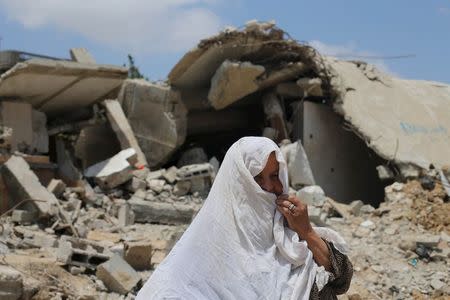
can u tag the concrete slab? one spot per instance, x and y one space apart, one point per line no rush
122 128
407 121
233 81
23 184
114 171
82 55
56 87
118 275
157 116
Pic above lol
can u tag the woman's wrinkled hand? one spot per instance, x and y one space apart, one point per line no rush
296 214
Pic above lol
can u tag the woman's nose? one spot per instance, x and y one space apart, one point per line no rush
268 186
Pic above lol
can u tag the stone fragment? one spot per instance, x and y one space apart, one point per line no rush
368 224
141 173
428 240
136 184
122 128
312 195
82 55
200 176
311 86
23 216
138 254
156 185
112 172
181 188
355 207
23 184
162 213
96 235
171 174
299 169
117 275
57 187
437 284
409 171
233 81
158 174
11 283
158 117
317 216
367 209
384 173
125 215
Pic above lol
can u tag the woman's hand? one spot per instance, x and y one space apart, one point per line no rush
296 214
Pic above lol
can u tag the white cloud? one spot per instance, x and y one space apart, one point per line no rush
350 51
137 26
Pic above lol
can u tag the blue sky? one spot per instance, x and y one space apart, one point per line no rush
158 32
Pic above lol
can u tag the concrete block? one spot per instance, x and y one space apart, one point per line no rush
162 213
11 283
171 174
157 257
233 81
384 173
409 171
156 185
29 131
158 174
428 240
125 216
23 216
100 236
317 216
136 184
299 169
355 207
22 184
311 86
312 195
122 128
117 275
110 173
138 254
181 188
57 187
157 116
81 252
82 55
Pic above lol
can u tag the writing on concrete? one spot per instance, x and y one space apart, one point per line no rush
410 128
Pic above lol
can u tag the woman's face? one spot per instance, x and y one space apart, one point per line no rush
268 178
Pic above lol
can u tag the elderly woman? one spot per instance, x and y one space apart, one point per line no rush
252 241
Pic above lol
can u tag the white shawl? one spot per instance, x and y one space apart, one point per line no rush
237 246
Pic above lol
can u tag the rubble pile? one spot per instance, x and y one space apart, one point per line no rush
100 175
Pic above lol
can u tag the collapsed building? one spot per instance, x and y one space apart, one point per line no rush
94 157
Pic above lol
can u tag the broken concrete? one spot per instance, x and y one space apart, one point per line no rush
23 185
29 131
162 213
56 187
232 81
157 116
122 128
82 55
11 284
56 87
118 275
299 170
138 254
114 171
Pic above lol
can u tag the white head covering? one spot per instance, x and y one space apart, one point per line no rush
237 246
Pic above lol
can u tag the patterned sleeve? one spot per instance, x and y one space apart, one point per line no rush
340 276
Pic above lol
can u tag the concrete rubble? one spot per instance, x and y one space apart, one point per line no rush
101 175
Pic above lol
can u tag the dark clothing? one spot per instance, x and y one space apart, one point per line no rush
340 277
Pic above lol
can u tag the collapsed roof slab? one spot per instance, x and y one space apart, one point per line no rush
56 87
197 66
407 121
